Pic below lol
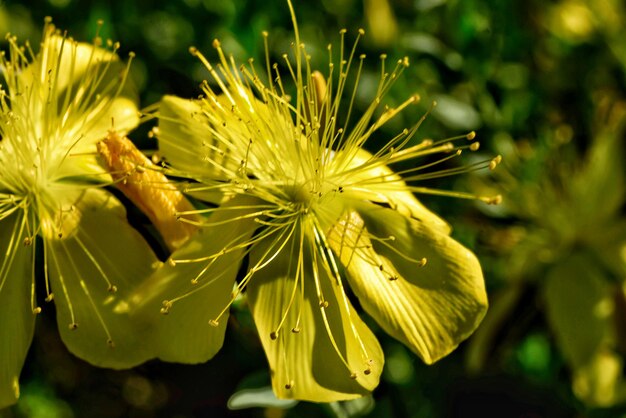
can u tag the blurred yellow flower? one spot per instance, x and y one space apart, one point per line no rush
565 236
55 106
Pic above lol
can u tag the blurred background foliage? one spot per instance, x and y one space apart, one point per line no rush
542 82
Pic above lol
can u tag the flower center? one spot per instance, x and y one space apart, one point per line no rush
300 195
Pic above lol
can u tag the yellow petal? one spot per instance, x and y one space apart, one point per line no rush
77 58
85 78
91 271
402 201
75 92
600 382
17 317
308 365
430 307
182 330
185 136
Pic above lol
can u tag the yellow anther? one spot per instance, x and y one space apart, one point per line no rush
493 200
494 163
167 305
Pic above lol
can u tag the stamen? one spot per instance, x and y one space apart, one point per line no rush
167 305
298 282
494 163
33 303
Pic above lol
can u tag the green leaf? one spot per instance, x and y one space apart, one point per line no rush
92 270
579 307
600 186
260 397
609 244
333 356
353 407
18 319
456 114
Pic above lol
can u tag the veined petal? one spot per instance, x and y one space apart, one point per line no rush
16 312
333 355
75 78
77 58
430 307
91 271
402 201
187 332
120 114
185 135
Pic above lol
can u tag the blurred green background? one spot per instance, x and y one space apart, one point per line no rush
542 82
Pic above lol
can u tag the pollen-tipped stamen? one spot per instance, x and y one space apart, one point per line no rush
298 280
331 265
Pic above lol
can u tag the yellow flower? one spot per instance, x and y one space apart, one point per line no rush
56 105
312 212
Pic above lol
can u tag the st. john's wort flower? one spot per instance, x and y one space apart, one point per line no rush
55 106
311 212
